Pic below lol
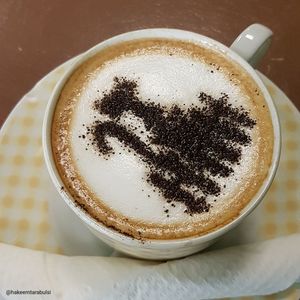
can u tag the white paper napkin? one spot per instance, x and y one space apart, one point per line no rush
253 269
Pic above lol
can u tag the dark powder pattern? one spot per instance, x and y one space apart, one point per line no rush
193 146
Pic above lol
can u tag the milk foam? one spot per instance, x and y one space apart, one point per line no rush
120 181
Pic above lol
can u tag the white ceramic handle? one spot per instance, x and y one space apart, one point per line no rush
253 43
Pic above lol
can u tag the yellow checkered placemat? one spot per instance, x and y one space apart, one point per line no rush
24 216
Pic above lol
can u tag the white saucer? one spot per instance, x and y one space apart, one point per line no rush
33 215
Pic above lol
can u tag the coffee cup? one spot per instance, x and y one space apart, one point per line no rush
245 51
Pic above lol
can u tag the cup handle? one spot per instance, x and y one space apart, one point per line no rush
253 43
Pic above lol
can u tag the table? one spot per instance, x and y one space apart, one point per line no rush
38 35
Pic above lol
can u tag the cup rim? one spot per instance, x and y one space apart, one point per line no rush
173 34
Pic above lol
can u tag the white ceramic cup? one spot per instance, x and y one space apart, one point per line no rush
247 49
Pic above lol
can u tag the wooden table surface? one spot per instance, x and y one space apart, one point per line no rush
38 35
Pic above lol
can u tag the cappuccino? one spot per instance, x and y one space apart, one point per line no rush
162 139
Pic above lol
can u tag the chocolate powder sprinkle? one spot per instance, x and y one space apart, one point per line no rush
192 145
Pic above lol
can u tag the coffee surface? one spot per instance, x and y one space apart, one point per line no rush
162 138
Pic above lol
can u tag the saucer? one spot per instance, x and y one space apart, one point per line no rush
33 215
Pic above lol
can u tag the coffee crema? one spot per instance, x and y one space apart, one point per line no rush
162 139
